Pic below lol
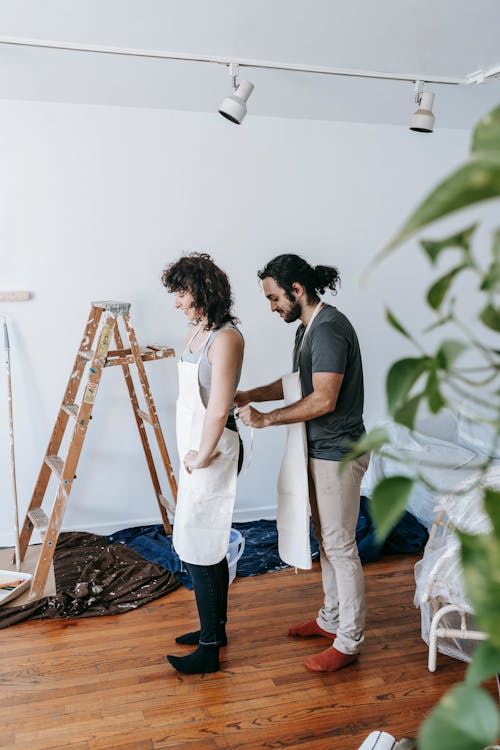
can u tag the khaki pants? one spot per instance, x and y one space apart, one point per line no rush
334 500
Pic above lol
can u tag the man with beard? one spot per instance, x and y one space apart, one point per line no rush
327 399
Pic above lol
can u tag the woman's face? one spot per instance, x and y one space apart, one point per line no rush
184 301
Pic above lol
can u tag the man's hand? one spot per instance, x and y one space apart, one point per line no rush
252 417
241 398
192 461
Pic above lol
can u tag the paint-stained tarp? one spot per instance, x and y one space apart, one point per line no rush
95 577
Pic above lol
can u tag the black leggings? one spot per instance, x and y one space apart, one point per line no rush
211 584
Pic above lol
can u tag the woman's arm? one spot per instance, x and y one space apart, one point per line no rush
225 356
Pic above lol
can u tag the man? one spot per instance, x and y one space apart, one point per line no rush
327 363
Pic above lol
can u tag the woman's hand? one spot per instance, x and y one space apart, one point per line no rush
193 461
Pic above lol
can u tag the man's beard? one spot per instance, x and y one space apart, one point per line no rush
293 314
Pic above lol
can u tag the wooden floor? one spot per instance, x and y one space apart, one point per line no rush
100 683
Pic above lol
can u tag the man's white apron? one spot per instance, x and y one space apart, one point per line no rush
293 487
205 498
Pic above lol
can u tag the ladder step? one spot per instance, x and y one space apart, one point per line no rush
71 409
114 307
56 464
125 356
145 416
39 519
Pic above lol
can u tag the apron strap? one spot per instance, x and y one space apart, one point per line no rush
296 356
250 453
191 340
204 346
316 311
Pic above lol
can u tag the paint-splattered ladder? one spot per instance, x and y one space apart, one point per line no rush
99 331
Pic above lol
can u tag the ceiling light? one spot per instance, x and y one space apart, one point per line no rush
423 120
234 107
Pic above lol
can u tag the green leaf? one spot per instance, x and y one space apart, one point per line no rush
461 240
448 352
392 320
438 323
438 291
388 503
480 556
490 316
492 505
406 414
486 136
466 718
401 377
491 279
485 664
434 398
477 180
370 441
495 249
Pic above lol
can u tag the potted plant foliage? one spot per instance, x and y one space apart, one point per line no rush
467 717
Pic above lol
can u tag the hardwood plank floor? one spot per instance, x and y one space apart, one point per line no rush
103 683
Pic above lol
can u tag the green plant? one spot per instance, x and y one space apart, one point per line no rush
462 370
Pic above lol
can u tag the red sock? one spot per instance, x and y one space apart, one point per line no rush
329 660
307 629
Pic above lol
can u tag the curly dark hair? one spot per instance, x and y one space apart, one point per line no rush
197 274
289 268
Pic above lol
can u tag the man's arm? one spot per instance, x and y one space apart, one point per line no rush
323 400
271 392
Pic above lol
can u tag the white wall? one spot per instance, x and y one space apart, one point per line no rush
94 202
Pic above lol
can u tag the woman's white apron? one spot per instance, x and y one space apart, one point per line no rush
205 498
293 486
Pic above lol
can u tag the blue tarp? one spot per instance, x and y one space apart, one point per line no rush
261 544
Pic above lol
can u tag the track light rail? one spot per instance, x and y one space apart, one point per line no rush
476 77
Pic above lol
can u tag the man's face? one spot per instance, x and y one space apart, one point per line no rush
289 311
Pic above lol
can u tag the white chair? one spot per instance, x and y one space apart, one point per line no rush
447 617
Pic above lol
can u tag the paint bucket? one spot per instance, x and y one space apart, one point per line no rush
236 547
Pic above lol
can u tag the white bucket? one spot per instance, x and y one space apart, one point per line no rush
236 547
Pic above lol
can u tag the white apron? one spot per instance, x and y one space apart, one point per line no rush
293 514
205 498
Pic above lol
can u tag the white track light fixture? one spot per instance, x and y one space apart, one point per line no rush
234 107
423 120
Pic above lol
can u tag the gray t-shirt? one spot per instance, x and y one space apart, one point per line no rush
331 345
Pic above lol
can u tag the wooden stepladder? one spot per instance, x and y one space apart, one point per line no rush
99 332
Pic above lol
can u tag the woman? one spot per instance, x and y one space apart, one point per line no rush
209 447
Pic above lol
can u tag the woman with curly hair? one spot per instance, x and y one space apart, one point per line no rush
209 448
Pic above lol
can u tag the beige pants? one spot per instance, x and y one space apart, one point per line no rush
334 499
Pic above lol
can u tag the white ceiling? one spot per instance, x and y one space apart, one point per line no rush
424 38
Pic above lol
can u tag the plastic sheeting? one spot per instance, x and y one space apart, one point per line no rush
261 555
408 536
154 545
438 575
445 448
261 548
99 575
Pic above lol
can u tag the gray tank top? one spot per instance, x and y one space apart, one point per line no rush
205 370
